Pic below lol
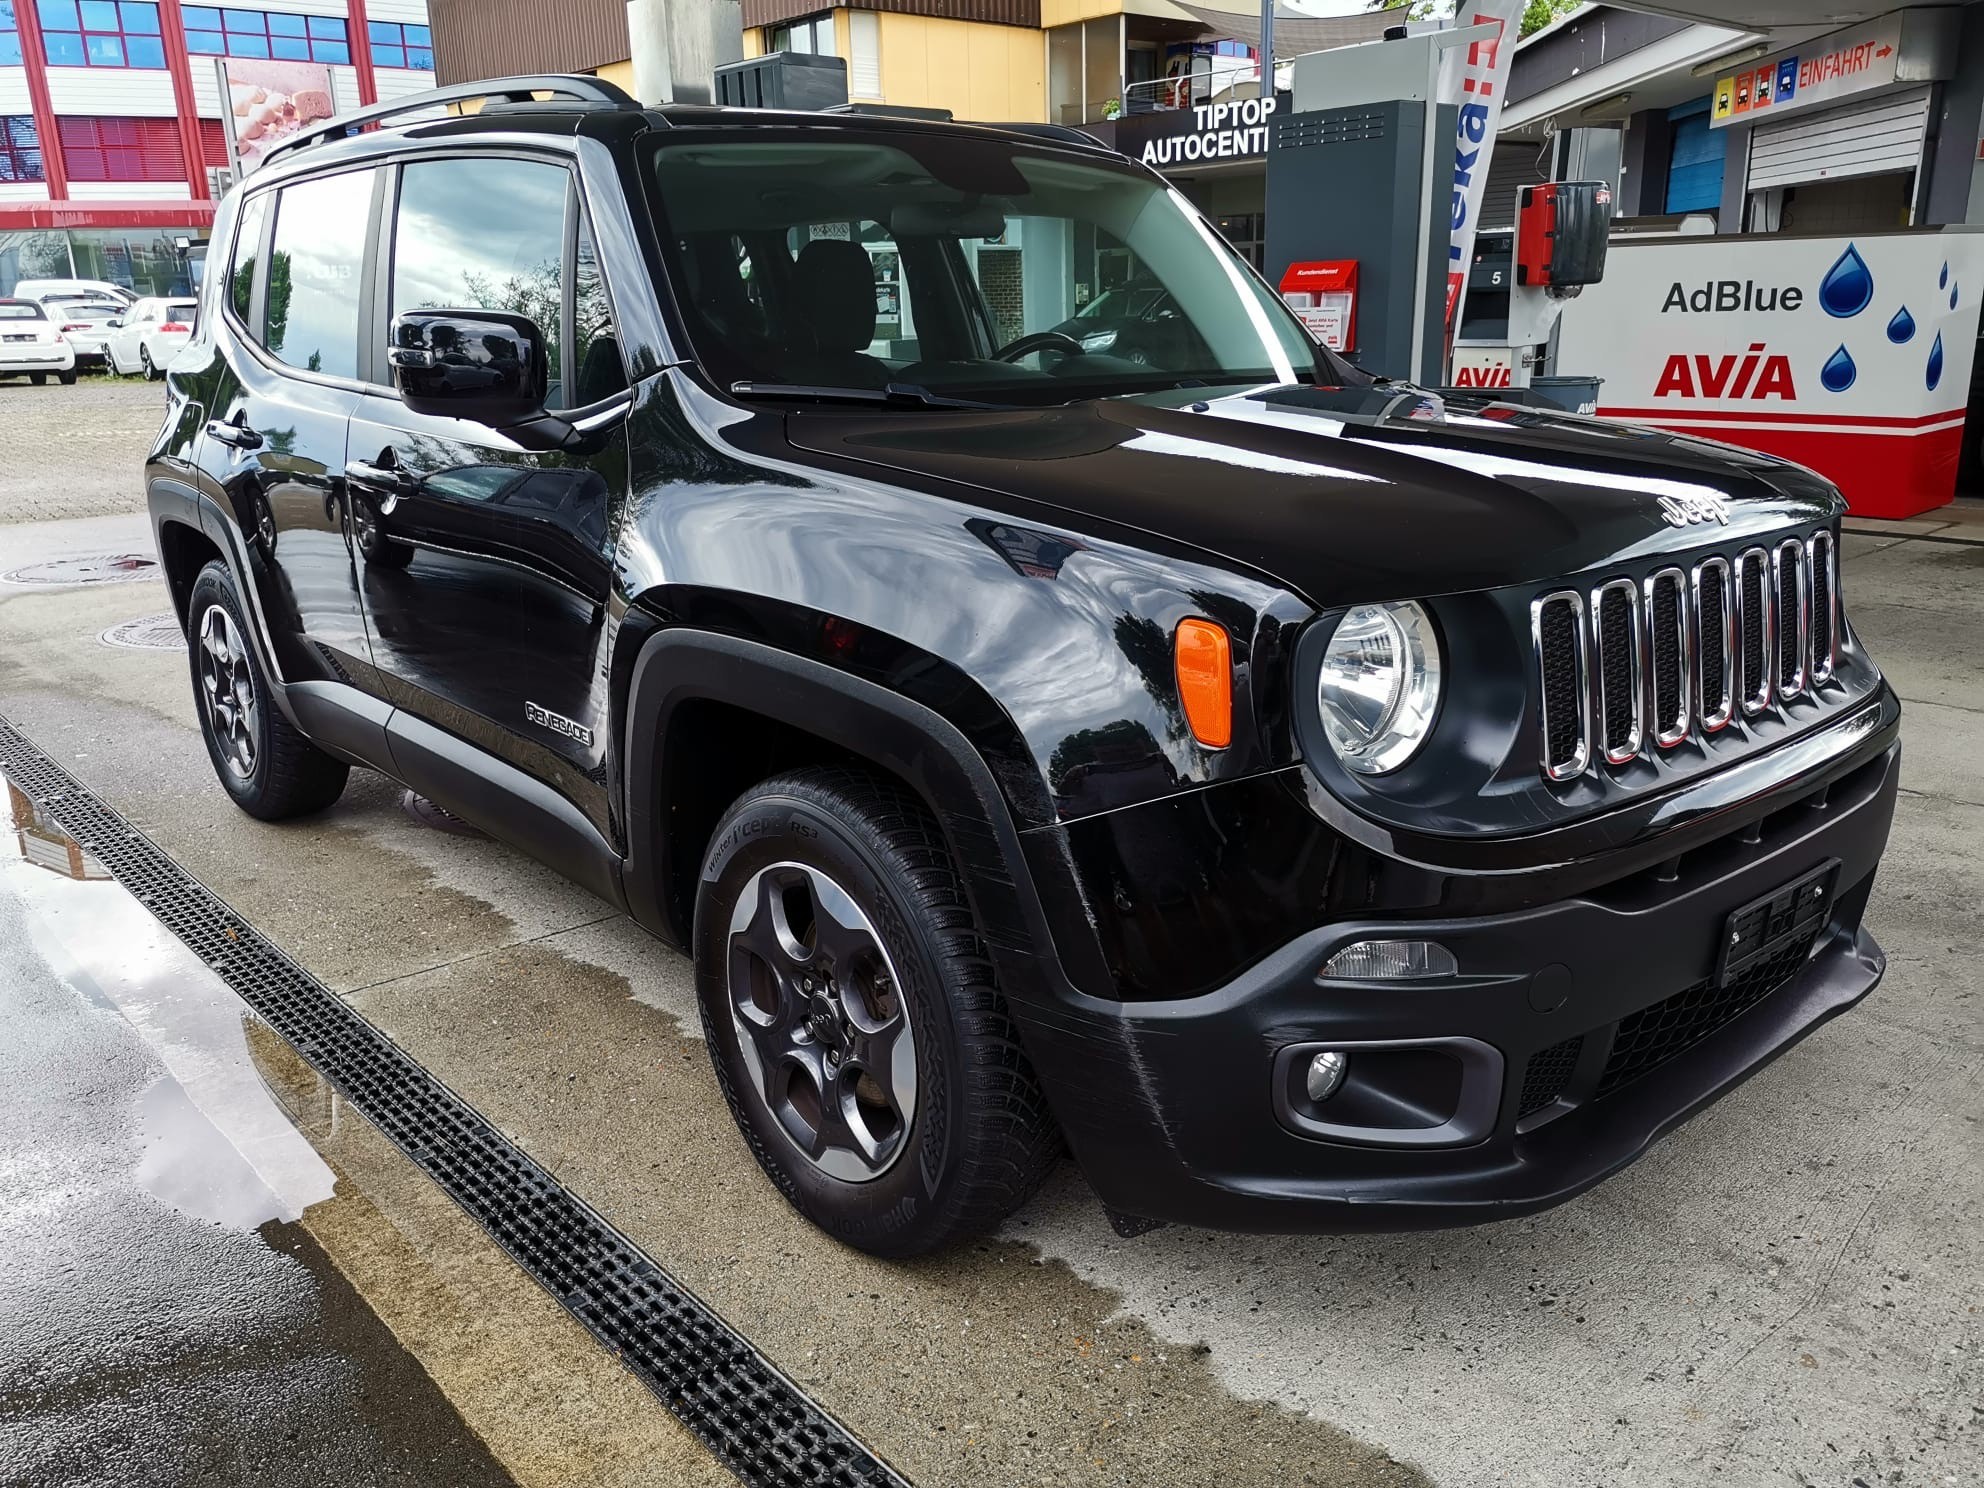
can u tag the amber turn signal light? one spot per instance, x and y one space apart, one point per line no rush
1204 659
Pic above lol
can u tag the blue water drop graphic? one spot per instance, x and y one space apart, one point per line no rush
1847 287
1952 297
1838 373
1935 363
1902 327
1944 277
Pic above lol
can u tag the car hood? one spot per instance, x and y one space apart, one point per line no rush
1345 494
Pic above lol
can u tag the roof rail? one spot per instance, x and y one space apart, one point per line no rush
1066 133
575 87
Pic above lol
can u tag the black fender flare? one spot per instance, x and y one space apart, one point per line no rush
905 738
175 502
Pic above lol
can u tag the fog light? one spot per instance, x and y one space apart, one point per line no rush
1391 961
1326 1072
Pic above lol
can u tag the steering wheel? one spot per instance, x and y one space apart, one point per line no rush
1039 341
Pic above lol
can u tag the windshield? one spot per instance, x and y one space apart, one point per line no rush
970 267
20 312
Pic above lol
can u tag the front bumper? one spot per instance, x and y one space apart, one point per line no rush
1593 1024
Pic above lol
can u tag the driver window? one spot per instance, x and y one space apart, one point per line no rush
1065 277
486 235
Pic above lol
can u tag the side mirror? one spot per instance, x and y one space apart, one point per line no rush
115 323
483 365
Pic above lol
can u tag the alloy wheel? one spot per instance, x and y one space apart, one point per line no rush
227 692
822 1021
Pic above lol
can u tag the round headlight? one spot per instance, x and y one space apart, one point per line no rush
1380 686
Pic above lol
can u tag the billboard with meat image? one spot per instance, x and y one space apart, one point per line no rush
268 101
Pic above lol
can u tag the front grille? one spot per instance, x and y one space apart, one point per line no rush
1548 1072
1668 654
1825 606
1793 618
1557 623
1654 1035
1658 662
1615 610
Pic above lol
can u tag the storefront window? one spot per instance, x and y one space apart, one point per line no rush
1085 71
146 261
394 45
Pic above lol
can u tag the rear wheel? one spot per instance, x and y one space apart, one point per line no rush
854 1020
269 768
152 373
67 379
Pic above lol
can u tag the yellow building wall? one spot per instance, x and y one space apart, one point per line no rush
1067 12
977 71
620 74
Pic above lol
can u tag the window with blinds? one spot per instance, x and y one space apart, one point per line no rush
864 42
121 149
20 147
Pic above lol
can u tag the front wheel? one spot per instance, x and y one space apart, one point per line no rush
269 768
67 379
853 1017
39 379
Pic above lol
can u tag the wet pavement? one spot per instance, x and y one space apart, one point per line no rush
1784 1291
164 1319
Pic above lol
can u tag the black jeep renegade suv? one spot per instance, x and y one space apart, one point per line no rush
1318 804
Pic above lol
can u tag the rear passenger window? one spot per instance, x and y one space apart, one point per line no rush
316 264
486 235
247 249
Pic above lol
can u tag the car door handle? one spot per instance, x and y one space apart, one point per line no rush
239 435
389 479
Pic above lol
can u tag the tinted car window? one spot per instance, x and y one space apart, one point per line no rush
315 265
595 343
247 246
21 312
486 235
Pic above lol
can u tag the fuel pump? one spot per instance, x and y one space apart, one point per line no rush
1521 278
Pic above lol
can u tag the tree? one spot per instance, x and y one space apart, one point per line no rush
1539 13
1536 14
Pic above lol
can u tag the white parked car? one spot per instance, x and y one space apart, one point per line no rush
149 336
31 344
94 289
84 324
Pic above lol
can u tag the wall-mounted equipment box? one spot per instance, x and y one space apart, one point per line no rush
783 80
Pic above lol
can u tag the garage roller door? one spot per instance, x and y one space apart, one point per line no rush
1867 138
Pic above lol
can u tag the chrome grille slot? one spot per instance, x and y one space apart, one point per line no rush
1556 624
1715 638
1620 678
1793 617
1824 570
1636 665
1753 630
1672 682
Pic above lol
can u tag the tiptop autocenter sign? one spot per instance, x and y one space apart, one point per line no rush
1851 356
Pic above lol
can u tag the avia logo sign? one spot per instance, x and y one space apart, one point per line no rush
1483 377
1757 374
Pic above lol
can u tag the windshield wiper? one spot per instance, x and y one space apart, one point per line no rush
895 392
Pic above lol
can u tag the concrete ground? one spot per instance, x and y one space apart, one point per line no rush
1784 1292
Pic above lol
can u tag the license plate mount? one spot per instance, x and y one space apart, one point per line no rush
1765 926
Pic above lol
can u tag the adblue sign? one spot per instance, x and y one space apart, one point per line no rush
1851 356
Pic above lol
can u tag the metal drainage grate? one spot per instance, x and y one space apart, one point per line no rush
96 568
147 633
756 1421
434 814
